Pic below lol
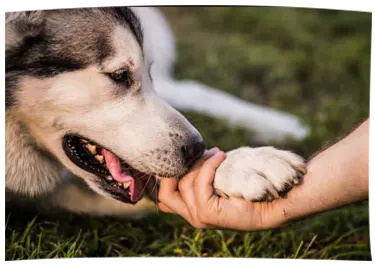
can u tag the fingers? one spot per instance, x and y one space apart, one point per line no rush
186 185
168 185
182 202
207 155
212 210
195 168
170 199
210 153
206 202
164 208
186 189
172 202
203 184
196 202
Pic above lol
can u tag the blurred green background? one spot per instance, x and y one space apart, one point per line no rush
312 63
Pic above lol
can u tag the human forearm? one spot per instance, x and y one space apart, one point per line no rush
337 176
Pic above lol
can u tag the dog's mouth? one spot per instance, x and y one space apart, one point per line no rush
116 177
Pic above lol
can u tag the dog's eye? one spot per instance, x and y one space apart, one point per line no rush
122 76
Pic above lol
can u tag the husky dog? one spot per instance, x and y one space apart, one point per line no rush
85 129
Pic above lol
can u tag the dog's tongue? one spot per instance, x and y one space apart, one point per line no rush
114 167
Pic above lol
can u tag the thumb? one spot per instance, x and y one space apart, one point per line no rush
203 182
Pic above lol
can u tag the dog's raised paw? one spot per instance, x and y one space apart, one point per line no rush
258 174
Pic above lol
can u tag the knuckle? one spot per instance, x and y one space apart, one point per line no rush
180 186
183 184
198 225
202 217
162 208
162 198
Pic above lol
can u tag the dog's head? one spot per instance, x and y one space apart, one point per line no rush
81 82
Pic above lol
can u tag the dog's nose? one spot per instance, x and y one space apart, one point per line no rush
192 152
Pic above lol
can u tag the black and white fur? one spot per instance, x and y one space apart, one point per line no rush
58 80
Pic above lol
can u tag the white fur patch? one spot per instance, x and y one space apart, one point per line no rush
252 173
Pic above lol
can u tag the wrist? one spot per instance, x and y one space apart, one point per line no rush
273 214
336 176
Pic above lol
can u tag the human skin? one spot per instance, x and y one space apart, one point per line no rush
335 177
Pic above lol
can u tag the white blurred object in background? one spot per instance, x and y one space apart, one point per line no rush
267 124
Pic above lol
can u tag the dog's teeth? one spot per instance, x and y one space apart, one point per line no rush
92 148
100 158
126 184
84 141
109 178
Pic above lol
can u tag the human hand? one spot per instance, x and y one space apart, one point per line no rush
336 176
193 197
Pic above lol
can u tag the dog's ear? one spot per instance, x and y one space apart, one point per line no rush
21 24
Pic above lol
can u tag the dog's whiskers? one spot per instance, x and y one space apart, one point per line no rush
155 188
144 188
132 160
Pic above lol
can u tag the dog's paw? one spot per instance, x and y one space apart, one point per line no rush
258 174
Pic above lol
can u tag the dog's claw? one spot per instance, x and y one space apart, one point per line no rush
299 177
286 189
273 194
302 170
221 193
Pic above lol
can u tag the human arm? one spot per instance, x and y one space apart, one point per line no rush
335 177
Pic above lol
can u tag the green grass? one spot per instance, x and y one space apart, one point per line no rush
312 63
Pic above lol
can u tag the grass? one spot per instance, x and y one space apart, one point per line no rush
312 63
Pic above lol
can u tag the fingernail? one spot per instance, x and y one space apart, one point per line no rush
218 153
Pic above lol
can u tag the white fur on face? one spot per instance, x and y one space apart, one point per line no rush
133 123
126 50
